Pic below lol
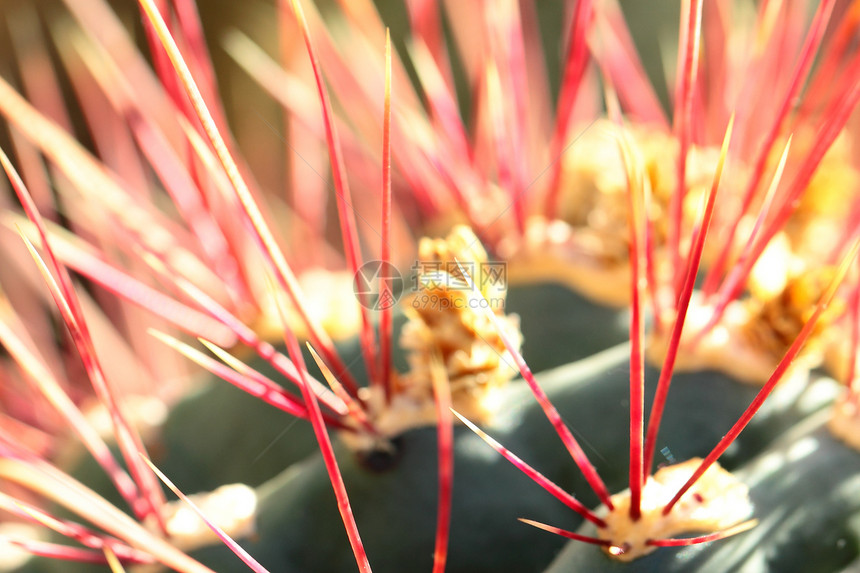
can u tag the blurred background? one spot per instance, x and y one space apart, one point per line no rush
256 119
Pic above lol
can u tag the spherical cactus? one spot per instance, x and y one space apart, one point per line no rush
561 333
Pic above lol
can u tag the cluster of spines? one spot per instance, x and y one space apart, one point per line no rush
681 282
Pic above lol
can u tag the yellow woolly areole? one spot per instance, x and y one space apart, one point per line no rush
447 317
232 507
722 348
838 352
555 251
752 335
823 210
330 301
451 322
717 501
587 247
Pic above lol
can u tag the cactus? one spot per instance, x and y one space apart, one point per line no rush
629 347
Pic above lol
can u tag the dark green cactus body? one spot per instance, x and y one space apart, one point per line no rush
805 498
299 528
560 326
221 435
592 398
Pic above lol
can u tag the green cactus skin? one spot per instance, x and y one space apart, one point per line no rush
219 434
396 509
262 441
237 438
299 529
559 325
701 407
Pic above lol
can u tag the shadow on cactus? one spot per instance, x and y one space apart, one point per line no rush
616 251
